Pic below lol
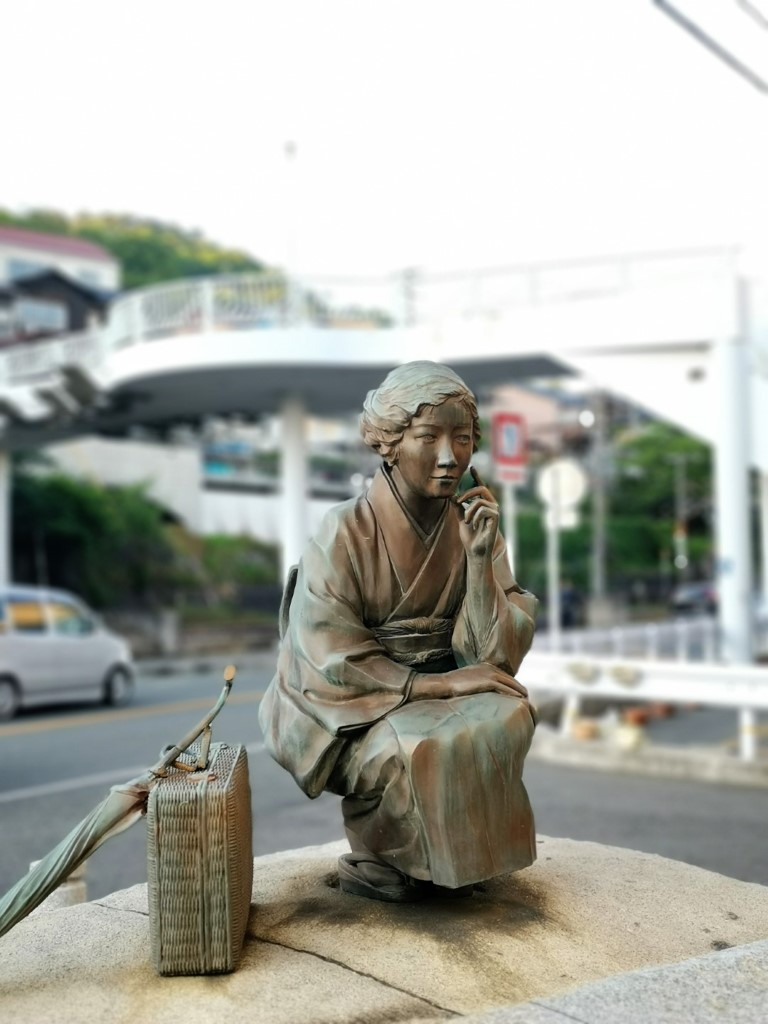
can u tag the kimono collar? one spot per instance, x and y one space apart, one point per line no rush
407 544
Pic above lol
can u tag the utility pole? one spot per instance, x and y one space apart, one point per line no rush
680 534
598 581
407 280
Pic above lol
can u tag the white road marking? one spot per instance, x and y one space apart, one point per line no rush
110 778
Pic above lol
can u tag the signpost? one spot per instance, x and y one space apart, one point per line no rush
561 485
508 448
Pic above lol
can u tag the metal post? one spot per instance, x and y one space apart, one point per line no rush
406 299
651 641
510 522
617 640
734 556
747 734
680 536
137 308
207 317
5 518
553 564
763 484
599 501
295 480
681 640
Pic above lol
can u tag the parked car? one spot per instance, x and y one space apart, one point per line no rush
53 648
698 597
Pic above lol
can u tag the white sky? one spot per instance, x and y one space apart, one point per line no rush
431 133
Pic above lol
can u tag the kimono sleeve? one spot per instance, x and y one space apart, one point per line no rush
344 677
507 636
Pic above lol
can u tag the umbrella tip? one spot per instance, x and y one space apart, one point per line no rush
229 673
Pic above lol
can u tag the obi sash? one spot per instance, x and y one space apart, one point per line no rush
422 642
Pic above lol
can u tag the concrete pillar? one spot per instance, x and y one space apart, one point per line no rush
732 454
763 484
295 482
5 519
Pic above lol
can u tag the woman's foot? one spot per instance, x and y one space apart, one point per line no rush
362 875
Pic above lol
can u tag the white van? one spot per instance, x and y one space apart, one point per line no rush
53 648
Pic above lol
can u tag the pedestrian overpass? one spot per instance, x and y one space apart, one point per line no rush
684 334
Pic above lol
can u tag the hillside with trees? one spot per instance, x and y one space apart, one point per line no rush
150 251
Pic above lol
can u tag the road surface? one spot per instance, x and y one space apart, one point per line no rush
58 763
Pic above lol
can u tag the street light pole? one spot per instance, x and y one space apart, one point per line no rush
680 537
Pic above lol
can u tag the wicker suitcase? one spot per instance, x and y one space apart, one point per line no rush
199 864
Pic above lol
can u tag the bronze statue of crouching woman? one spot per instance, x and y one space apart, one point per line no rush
395 684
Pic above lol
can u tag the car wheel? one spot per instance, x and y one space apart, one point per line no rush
118 689
9 700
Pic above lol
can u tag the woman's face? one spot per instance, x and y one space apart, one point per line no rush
435 450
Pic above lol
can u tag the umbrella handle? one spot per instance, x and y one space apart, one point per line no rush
204 725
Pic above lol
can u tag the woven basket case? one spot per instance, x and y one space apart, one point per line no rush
200 865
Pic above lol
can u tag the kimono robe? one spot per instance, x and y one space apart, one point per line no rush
432 787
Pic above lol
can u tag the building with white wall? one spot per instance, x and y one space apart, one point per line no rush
26 253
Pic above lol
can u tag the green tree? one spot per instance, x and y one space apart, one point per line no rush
150 251
107 544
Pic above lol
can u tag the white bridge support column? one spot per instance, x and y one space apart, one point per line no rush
295 479
5 518
732 493
764 536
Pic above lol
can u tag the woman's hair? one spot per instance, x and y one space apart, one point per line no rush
389 409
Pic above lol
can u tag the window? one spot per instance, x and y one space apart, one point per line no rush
68 620
24 268
36 315
25 616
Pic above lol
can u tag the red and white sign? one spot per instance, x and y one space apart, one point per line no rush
509 447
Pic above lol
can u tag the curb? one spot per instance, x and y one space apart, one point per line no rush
206 663
702 764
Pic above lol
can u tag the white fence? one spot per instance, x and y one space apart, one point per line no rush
34 361
693 638
741 687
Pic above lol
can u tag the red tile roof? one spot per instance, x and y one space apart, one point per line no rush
62 244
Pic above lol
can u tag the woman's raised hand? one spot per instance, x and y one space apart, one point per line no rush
480 520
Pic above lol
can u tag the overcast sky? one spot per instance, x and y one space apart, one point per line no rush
430 133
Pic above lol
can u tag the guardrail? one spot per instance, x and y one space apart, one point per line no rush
741 687
692 638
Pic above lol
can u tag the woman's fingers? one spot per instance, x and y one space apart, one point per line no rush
481 510
473 493
482 515
510 683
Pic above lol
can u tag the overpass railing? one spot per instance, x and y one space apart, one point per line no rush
39 360
744 688
270 299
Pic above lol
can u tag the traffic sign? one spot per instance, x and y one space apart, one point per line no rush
562 483
509 447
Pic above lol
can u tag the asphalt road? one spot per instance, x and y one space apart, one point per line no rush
59 763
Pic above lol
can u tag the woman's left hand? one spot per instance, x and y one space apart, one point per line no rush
480 521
